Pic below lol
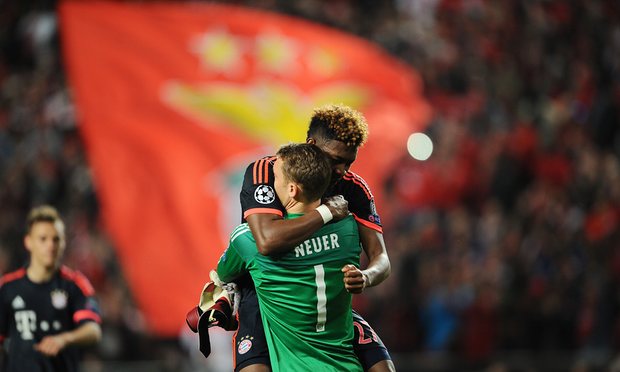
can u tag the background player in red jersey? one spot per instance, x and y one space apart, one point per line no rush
45 308
339 131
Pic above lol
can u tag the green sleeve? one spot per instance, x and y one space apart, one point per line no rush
231 265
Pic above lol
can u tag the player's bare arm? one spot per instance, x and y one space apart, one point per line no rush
275 235
378 268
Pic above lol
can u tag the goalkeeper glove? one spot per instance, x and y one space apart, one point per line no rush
215 306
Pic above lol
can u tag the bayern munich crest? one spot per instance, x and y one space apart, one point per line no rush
59 299
245 345
264 194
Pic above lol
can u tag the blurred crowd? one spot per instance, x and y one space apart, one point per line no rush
508 237
506 240
42 160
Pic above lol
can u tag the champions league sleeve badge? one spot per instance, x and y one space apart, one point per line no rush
373 217
59 299
264 194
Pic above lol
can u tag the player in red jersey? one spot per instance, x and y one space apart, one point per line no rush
46 309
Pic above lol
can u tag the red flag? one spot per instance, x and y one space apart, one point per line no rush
175 100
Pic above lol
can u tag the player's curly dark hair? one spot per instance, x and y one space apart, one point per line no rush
339 122
308 166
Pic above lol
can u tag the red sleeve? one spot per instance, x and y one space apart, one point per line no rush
83 301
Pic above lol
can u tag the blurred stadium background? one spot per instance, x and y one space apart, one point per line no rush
504 240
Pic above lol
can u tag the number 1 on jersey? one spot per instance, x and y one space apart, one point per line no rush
321 298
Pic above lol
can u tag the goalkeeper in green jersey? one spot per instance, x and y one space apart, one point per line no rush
305 308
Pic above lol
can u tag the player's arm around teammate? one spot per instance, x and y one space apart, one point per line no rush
378 268
275 235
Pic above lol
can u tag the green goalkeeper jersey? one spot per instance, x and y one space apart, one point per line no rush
305 309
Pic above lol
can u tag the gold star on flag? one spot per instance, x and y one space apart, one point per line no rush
218 51
276 53
323 62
